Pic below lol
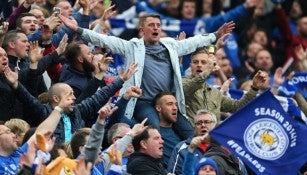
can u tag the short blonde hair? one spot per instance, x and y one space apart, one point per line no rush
142 19
17 126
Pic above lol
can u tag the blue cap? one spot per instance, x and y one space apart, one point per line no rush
205 161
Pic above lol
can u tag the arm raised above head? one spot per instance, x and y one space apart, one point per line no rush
51 122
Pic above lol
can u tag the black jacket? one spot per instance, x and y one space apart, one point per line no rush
141 164
10 106
226 162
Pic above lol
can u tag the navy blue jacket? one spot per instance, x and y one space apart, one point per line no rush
77 80
141 164
85 108
178 156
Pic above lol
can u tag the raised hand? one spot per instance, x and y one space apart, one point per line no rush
85 4
225 29
101 62
70 23
108 12
53 21
12 77
129 72
196 141
34 53
300 52
221 42
139 128
50 143
225 85
62 45
278 77
181 36
105 111
132 91
259 80
93 4
4 28
104 63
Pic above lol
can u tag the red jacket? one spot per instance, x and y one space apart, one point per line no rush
54 70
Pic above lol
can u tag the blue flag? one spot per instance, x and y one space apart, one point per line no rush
264 137
235 93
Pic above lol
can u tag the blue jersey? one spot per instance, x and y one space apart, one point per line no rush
9 165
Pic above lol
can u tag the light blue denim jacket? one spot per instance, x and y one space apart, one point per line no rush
134 52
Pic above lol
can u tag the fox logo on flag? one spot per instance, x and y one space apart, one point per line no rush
264 137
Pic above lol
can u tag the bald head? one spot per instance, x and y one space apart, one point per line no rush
57 90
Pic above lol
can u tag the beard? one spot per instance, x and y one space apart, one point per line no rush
88 66
169 119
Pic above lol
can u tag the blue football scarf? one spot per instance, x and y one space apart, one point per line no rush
264 137
191 27
297 83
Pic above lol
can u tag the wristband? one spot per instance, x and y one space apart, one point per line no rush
130 134
59 109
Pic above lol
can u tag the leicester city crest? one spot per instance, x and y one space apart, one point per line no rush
266 139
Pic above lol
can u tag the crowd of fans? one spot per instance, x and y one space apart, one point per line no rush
134 87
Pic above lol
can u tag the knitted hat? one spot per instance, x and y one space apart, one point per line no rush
61 165
206 161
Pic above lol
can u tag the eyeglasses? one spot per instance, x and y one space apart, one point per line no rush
6 132
205 122
207 168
